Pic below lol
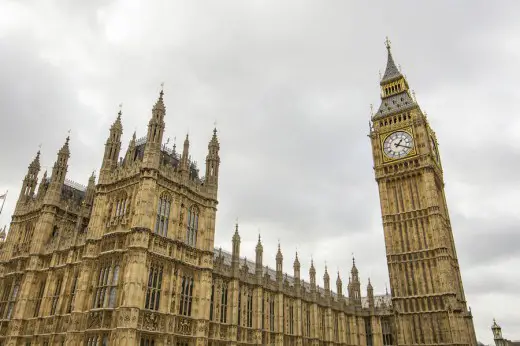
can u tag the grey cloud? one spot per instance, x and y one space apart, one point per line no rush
290 87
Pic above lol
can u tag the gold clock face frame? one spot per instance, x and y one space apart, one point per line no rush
398 145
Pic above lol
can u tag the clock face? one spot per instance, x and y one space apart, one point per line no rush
398 144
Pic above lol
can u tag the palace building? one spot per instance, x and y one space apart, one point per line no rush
130 260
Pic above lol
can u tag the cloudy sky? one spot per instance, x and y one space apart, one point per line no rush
290 86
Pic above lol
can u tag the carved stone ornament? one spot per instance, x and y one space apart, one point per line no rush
184 326
94 320
150 321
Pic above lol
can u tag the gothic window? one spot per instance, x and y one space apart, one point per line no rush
163 214
153 293
347 330
39 298
387 332
271 313
113 289
106 288
92 340
6 291
12 301
308 322
72 293
249 309
291 319
224 303
211 302
368 331
239 305
121 206
193 226
263 313
147 341
186 295
336 327
56 296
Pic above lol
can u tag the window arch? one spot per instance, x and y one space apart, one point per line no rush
163 215
193 226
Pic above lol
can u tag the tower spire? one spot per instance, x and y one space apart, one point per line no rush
395 94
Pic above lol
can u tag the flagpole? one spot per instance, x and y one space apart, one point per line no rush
5 197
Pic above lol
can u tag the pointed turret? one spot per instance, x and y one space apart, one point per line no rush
339 286
279 264
59 171
497 334
296 267
395 93
354 285
130 152
42 187
235 254
3 235
91 190
156 125
185 161
370 294
259 258
31 179
326 281
112 146
312 276
213 160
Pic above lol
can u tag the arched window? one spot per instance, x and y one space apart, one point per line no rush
193 226
163 214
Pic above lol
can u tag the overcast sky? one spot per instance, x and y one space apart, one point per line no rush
290 86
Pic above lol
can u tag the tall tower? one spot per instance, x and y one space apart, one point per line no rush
427 292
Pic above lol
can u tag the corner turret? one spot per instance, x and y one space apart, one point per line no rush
31 180
112 149
59 171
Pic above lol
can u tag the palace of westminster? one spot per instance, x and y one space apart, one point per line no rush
130 260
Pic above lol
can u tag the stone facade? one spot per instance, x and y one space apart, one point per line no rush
131 260
427 293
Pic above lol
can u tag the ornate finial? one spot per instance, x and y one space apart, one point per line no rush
120 109
162 90
167 140
386 289
387 43
259 239
40 147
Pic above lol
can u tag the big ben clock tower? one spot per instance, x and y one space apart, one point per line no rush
427 292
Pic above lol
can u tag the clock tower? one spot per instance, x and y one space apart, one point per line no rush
427 292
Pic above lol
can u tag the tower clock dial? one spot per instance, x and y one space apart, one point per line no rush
398 144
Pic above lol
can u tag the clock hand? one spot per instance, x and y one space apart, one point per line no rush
404 146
